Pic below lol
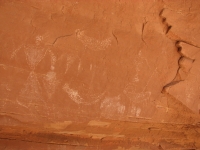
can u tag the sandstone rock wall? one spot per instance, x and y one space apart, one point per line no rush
73 62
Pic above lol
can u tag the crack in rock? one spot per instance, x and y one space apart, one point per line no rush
62 36
143 26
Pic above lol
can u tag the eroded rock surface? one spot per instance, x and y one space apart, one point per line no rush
91 74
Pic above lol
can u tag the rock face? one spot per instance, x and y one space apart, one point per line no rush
118 74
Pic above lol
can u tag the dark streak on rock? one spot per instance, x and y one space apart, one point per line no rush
61 37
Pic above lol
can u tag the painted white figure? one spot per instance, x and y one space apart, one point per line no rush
50 83
32 91
111 106
77 98
92 43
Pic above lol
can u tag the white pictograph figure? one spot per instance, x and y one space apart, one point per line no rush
79 94
139 62
84 93
53 60
50 82
130 90
73 94
34 53
15 51
34 56
77 98
92 43
111 106
134 96
135 111
31 92
70 60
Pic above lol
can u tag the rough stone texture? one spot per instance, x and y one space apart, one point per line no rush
93 74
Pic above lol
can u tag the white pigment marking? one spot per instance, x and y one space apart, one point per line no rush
111 106
34 55
92 43
31 91
53 60
73 94
79 66
70 60
50 83
138 111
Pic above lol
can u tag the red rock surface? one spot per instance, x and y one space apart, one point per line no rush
85 74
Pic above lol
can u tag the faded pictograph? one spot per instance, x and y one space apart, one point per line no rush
137 97
31 93
139 62
53 60
50 80
83 91
34 56
111 106
77 98
70 60
135 111
81 88
73 94
93 43
14 53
